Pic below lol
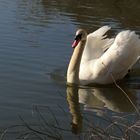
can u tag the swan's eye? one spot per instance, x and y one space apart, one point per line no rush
78 37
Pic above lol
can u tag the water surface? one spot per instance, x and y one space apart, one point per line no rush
35 50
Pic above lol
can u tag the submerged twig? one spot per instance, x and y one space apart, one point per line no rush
125 95
37 131
114 81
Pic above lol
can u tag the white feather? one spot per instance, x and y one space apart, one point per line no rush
96 44
98 66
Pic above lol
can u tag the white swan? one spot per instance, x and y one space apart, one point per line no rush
97 59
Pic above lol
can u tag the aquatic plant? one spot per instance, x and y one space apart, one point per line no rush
96 127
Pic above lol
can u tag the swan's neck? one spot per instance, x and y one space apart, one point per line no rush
74 65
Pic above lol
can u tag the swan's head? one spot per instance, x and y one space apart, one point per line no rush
81 35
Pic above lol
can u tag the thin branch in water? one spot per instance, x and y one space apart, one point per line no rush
50 125
125 95
114 81
37 131
24 136
6 130
47 126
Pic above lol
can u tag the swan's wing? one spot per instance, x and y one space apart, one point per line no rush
100 32
96 44
119 58
102 37
126 48
114 63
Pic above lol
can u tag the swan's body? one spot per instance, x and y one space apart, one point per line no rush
99 60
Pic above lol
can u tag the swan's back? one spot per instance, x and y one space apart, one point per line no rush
122 54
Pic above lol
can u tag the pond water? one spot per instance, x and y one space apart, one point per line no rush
35 48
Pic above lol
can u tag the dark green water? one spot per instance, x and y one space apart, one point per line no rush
35 48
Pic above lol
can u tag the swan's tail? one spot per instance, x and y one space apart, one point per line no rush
130 38
130 41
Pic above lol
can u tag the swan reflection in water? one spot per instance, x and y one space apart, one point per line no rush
96 99
74 107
